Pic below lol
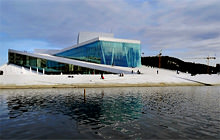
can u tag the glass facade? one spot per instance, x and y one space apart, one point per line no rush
106 52
50 67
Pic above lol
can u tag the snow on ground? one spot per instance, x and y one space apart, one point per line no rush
19 76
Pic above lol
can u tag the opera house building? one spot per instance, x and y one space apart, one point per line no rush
94 53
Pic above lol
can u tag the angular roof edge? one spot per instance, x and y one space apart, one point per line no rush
102 67
100 39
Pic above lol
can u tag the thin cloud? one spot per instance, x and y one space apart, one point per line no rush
171 25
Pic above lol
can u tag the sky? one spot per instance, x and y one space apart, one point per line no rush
186 29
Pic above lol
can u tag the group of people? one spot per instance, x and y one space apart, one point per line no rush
138 72
121 74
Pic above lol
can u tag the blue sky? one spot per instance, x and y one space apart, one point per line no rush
181 28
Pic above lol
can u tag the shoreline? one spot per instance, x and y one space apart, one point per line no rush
112 85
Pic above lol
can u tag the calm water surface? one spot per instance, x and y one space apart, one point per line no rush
115 113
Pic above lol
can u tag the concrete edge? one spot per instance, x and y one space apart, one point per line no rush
99 85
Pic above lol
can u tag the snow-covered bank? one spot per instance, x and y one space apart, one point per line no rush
149 77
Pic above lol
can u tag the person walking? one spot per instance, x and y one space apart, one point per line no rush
102 77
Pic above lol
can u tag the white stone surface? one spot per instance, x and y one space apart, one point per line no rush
15 75
16 70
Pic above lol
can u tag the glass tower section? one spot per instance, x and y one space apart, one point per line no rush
107 52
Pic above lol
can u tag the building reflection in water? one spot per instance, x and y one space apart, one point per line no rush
111 113
98 109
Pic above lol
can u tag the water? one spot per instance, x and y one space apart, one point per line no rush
111 113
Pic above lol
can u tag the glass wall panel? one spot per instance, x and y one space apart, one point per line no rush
11 57
106 52
33 61
90 52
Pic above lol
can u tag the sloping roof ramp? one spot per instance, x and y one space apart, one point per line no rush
100 67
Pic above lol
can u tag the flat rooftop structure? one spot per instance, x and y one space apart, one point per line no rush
100 39
85 36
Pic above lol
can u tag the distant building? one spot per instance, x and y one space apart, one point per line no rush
100 48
